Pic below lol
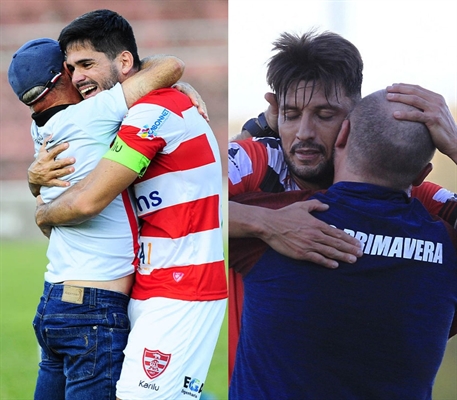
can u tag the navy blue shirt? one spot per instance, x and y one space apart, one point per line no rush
376 329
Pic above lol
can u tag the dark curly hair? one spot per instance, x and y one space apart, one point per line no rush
326 58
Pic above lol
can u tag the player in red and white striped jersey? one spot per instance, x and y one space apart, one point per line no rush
169 152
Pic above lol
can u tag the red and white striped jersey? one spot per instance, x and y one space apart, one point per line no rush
178 197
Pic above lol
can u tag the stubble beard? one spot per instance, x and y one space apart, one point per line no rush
321 174
110 80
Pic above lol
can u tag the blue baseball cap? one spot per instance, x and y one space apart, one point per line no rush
39 62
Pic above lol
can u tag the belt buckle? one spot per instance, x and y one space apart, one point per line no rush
73 294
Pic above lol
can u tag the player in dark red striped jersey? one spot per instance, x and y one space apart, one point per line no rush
302 158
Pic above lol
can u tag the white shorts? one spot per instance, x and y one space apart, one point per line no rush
170 347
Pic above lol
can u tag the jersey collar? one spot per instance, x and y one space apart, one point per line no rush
44 116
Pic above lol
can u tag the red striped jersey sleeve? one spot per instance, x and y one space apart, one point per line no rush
247 166
438 201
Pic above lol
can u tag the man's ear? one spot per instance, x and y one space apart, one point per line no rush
66 69
423 174
126 60
342 138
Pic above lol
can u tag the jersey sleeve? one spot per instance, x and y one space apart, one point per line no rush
247 165
438 201
125 155
148 129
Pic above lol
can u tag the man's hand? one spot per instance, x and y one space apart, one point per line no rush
272 112
46 170
194 97
293 232
46 229
433 112
271 116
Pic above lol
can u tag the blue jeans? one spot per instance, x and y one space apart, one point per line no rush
81 344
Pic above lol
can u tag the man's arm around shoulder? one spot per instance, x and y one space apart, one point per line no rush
157 72
88 197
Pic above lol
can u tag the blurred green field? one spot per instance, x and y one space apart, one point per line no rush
21 282
21 278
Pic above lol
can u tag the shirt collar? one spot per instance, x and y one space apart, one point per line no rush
44 116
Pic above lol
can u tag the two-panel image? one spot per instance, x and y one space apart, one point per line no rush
228 200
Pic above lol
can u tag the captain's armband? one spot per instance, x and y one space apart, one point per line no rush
125 155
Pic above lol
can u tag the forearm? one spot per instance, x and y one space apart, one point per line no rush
157 60
246 220
156 72
167 70
67 209
453 156
294 232
88 197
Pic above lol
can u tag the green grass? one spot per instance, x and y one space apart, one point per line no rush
22 266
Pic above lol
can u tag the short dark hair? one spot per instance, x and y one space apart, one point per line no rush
391 151
105 30
326 58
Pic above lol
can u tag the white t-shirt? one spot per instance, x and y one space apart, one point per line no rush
104 247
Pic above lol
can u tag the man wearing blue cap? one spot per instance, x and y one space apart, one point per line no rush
81 322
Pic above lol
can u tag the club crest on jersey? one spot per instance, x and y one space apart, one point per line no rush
177 276
155 362
150 132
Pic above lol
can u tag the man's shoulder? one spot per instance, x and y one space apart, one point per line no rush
97 103
254 146
98 115
272 142
437 200
268 141
429 190
169 98
262 160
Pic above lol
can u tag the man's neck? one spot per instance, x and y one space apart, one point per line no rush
50 101
43 117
